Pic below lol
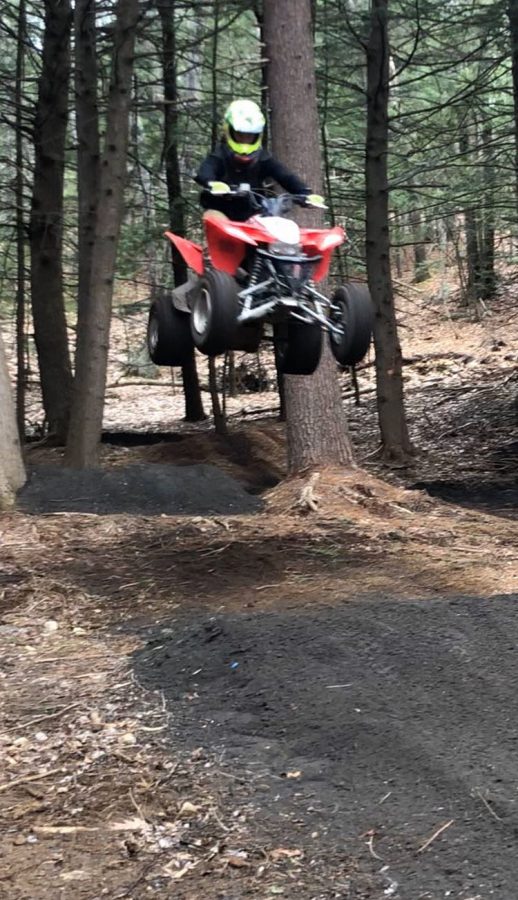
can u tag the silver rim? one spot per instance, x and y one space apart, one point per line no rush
340 324
153 334
202 313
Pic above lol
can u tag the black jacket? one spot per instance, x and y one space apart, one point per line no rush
221 165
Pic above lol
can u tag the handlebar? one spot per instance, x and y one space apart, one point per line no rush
277 205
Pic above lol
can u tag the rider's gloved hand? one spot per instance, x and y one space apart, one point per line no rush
219 187
316 201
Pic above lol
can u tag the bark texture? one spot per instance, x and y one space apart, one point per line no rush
512 12
194 411
471 230
487 243
88 145
389 381
46 226
316 425
421 270
93 340
12 471
20 227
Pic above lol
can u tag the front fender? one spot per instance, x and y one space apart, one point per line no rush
322 242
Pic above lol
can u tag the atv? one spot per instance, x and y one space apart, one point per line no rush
259 276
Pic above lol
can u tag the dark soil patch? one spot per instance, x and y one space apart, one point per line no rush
492 497
375 721
140 438
149 490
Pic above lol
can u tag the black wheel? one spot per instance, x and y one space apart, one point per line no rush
353 311
298 347
214 313
169 340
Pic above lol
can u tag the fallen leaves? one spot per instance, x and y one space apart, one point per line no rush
188 809
177 874
281 853
26 778
237 860
52 830
76 875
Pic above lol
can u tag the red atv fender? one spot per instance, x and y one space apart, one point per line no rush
322 242
191 252
227 241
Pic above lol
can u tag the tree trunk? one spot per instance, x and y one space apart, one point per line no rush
46 227
194 411
20 227
220 422
396 247
487 249
472 255
265 103
421 270
512 11
470 227
231 374
316 426
88 149
281 387
93 341
215 46
389 380
12 471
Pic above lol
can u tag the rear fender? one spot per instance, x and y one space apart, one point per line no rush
192 253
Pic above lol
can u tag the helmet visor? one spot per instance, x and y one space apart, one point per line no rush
243 137
243 142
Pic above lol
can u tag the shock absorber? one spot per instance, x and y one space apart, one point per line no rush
256 271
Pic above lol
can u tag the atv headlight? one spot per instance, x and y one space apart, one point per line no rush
282 249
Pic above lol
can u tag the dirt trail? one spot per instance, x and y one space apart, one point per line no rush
393 720
364 745
163 768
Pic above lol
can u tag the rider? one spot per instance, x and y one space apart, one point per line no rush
240 159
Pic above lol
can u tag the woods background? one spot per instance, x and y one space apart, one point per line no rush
418 113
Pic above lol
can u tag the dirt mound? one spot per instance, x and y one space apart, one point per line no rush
355 494
137 490
253 455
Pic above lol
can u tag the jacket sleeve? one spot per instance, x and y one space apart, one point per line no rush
211 169
288 180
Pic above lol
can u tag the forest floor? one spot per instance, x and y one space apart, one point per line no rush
309 703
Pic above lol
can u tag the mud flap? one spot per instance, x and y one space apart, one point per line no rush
185 294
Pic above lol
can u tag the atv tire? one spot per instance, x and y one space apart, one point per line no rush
298 347
355 313
169 340
214 312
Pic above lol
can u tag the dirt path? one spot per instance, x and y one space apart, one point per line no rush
140 760
363 747
394 719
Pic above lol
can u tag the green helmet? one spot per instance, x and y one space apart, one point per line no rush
243 129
